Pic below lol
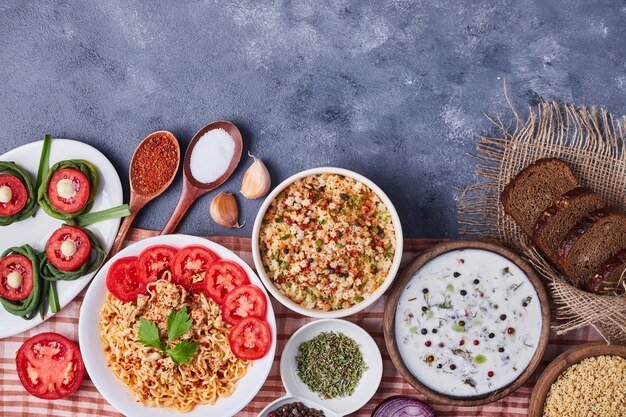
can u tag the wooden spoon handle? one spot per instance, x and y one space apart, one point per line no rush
121 234
188 196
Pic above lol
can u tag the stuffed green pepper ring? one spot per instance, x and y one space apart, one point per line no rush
69 254
69 189
18 199
20 282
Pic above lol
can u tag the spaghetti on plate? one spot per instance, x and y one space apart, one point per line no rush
152 375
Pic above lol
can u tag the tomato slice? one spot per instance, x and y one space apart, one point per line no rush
191 266
50 366
68 248
123 281
250 339
79 184
223 277
16 277
155 261
243 302
11 186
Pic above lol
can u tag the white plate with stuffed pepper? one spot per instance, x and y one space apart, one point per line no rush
60 203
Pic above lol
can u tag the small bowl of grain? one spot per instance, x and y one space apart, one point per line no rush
587 380
327 242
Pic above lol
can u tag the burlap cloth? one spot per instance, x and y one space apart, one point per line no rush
592 142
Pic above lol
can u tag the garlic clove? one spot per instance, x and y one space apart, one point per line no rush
256 180
224 210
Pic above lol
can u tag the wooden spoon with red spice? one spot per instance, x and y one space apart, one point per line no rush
152 169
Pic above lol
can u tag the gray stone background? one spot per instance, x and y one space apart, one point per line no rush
396 90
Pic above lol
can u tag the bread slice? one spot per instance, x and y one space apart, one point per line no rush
534 189
590 243
564 213
610 275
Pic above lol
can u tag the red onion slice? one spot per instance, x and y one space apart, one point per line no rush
401 406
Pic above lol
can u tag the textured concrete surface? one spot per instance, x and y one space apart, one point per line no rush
395 90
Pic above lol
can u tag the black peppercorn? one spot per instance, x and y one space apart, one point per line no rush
453 367
285 251
425 291
424 331
338 234
318 250
434 330
424 309
476 282
331 270
461 323
463 293
501 349
343 196
456 274
491 335
502 316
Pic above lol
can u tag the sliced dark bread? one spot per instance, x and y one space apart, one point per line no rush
534 189
594 239
610 275
564 213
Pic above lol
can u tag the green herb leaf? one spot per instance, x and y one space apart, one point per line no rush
149 334
178 323
183 352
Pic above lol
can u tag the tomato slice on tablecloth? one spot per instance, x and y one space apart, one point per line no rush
74 238
50 366
20 284
250 339
243 302
223 277
80 185
155 261
191 266
123 281
19 195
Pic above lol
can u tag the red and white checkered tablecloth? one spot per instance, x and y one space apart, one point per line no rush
87 401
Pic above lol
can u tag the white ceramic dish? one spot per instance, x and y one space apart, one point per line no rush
286 301
36 230
298 391
114 390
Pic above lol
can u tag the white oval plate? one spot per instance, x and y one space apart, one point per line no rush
36 230
114 390
367 385
286 301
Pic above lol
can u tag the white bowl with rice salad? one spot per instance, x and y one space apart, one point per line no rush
327 242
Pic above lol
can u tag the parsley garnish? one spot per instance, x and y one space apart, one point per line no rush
178 323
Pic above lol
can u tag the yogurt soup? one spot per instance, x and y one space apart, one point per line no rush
468 323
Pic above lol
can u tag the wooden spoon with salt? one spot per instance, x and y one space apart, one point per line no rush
152 169
192 187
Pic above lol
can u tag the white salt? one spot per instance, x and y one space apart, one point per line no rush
211 156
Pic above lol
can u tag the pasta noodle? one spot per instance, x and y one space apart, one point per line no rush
152 375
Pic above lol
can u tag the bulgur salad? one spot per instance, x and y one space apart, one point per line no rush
327 242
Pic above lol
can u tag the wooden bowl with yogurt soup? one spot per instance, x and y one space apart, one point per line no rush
467 322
